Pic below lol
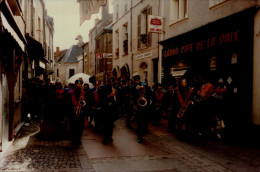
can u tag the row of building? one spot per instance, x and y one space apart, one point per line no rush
159 38
26 51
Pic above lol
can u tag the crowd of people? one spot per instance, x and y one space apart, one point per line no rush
188 105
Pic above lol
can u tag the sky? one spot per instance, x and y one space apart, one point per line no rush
66 22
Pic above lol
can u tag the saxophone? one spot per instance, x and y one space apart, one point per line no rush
80 103
186 104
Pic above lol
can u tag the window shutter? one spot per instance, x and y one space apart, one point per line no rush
149 35
139 32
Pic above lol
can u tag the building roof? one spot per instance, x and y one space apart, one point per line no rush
72 54
61 54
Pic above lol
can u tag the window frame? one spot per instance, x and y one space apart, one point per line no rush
180 11
142 30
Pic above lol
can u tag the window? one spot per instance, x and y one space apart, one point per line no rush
71 72
32 24
179 10
125 8
125 42
58 73
117 43
215 2
144 39
117 11
39 29
98 44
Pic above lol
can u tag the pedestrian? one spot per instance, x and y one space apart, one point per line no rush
60 103
170 105
110 113
89 98
184 93
142 112
98 107
78 116
157 104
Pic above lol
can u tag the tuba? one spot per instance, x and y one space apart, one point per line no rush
142 101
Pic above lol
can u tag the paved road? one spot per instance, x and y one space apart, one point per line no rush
161 151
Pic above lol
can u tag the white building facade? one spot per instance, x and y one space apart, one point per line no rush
135 50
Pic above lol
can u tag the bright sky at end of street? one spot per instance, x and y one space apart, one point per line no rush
66 22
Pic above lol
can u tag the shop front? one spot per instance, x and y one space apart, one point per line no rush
222 51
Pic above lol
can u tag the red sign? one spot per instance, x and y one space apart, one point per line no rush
156 21
155 24
99 56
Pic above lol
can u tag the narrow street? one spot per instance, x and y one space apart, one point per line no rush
161 151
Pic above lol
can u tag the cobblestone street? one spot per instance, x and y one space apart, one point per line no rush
161 151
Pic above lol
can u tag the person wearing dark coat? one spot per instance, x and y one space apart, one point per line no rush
78 116
110 114
142 112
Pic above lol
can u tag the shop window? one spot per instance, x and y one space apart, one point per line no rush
144 38
215 2
179 10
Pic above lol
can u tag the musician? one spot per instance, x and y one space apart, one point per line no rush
134 95
157 97
60 102
183 93
78 117
109 104
170 105
98 107
89 99
142 112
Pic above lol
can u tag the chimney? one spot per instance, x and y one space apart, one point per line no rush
57 51
105 10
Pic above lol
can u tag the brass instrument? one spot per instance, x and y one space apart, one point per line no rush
142 102
80 103
186 104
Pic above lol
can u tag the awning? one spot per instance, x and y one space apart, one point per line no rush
10 24
12 32
89 7
35 50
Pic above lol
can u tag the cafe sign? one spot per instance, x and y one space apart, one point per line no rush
155 24
219 40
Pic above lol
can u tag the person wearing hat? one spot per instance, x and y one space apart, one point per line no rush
77 118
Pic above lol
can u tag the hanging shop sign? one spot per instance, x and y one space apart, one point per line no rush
155 24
